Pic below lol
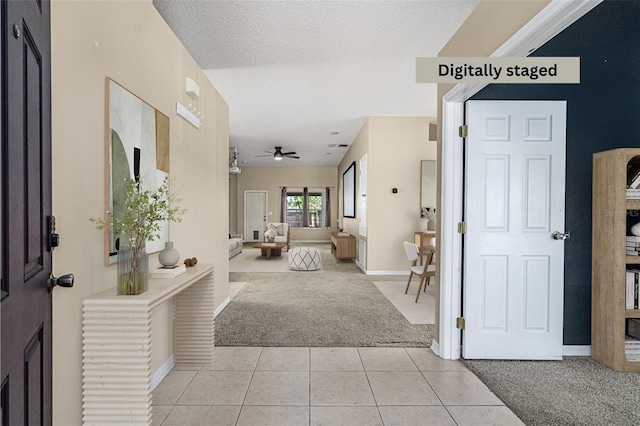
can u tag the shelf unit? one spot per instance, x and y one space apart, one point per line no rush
609 259
343 246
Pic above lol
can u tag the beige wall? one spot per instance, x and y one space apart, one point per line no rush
395 147
129 42
272 179
359 147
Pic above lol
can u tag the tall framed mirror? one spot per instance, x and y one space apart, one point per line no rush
428 184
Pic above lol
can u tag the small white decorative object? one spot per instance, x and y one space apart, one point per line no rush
270 235
429 213
169 256
635 229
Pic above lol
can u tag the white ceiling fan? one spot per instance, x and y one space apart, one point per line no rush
278 155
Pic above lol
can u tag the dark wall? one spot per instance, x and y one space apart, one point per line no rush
603 112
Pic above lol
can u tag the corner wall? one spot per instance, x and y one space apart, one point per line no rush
129 42
395 147
601 115
487 28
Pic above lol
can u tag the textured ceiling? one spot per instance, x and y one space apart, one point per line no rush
292 72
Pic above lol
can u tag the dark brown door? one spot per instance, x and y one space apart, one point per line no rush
26 204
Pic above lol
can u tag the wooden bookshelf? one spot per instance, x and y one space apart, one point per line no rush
609 260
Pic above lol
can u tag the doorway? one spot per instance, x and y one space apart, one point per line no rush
255 214
552 20
513 281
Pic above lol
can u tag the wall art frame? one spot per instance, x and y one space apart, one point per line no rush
136 144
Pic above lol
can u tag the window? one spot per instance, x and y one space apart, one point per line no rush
316 207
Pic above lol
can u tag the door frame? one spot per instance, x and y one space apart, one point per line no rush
553 19
266 209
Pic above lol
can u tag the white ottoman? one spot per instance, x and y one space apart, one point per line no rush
304 259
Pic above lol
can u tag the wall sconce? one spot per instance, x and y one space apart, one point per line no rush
192 89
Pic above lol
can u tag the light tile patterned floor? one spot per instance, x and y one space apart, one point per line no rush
327 386
423 312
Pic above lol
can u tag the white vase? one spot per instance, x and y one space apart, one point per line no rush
635 229
431 225
169 256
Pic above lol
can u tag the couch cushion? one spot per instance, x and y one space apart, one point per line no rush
278 227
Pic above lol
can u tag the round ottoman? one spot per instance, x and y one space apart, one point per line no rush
304 259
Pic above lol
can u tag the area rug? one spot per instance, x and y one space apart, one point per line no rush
423 312
315 309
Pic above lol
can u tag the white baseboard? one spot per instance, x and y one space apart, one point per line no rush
405 273
435 347
576 350
221 307
361 266
162 372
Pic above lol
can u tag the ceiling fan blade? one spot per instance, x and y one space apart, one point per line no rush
270 155
291 156
289 153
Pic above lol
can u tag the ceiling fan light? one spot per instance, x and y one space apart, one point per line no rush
277 156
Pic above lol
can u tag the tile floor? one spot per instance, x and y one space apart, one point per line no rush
327 386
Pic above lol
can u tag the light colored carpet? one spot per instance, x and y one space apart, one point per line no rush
338 307
423 312
250 260
574 391
344 310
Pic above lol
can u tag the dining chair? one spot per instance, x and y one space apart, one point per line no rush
426 271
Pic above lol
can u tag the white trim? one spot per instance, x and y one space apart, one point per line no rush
552 20
450 255
435 347
361 266
576 350
162 372
221 307
405 273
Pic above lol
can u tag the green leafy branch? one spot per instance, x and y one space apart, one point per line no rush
144 212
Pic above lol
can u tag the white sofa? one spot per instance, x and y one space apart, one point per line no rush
235 244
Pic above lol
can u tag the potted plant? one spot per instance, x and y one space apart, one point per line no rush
144 212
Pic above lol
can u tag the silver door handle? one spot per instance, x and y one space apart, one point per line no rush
561 235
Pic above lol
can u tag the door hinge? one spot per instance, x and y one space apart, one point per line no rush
462 227
463 131
460 323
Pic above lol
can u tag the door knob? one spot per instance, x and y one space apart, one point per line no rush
561 235
63 281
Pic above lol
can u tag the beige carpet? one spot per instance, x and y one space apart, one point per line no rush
250 260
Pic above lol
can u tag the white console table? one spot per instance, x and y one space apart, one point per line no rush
116 344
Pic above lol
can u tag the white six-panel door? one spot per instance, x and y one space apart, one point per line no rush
514 201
